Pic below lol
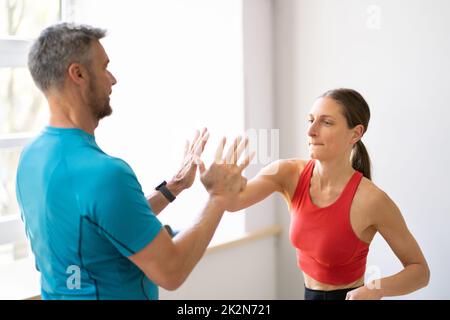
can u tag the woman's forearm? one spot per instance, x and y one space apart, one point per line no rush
413 277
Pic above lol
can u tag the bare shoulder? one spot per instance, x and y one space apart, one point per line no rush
289 171
301 163
296 164
285 167
374 201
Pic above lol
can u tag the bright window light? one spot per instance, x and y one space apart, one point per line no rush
179 67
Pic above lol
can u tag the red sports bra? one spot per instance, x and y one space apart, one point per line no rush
328 249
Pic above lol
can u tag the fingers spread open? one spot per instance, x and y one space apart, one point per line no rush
204 141
247 161
240 149
194 141
231 154
199 141
219 151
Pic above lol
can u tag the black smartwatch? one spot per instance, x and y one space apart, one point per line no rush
166 192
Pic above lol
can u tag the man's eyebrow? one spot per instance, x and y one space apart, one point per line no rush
323 116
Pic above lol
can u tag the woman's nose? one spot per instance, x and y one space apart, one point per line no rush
312 130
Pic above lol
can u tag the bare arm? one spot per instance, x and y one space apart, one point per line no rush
168 262
416 273
157 201
275 177
185 175
390 224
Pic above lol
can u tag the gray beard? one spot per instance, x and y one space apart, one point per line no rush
98 111
102 112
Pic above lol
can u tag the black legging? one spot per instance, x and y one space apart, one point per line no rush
341 294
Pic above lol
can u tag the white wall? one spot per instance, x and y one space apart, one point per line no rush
289 278
245 272
401 67
259 97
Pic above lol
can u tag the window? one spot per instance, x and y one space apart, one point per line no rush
22 109
179 66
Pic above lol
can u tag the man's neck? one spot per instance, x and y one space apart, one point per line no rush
68 113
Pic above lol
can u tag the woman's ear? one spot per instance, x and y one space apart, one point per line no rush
358 132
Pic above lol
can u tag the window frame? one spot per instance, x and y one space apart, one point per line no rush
14 54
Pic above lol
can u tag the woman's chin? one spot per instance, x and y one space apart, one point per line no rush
316 156
313 155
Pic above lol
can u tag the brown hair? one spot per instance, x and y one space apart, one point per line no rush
356 111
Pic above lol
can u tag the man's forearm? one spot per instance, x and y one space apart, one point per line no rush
191 244
157 201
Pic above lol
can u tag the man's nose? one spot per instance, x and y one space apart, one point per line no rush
113 79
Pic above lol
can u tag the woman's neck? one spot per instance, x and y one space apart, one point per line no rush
332 174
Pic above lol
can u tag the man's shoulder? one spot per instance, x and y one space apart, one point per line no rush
73 159
103 179
113 166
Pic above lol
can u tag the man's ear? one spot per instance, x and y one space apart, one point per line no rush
77 73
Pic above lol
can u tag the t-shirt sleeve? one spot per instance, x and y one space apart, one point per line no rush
122 211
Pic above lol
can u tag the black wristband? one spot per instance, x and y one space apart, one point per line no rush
166 192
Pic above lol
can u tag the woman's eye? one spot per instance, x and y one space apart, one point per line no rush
310 120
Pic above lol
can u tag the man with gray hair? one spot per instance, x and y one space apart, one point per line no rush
92 231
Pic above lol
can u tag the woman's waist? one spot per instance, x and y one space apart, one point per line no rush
314 284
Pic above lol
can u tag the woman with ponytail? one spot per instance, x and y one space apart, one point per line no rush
336 209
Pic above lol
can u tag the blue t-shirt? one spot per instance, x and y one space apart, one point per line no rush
84 213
